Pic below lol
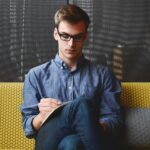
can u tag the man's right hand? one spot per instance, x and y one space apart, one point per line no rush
45 106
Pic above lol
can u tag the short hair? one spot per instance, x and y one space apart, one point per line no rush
72 14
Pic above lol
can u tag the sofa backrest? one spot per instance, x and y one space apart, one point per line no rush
135 98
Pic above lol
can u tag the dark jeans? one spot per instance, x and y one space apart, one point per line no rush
77 122
71 142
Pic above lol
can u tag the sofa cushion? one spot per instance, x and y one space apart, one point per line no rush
137 132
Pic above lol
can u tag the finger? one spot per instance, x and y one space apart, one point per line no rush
55 101
50 100
45 109
47 106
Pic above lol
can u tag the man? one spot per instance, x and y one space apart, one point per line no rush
93 111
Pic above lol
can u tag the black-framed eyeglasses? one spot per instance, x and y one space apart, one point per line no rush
67 37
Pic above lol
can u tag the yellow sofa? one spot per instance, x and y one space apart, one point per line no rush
134 96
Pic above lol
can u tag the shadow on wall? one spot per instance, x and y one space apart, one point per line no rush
131 63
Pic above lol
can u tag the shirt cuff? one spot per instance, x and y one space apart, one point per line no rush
30 132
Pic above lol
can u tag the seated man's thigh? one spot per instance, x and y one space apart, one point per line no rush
71 142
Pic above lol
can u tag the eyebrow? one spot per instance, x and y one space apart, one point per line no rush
71 34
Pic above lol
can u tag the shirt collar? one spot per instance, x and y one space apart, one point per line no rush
61 64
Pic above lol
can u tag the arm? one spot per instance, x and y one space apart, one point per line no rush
110 109
29 107
34 109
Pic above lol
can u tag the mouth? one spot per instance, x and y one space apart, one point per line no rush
70 50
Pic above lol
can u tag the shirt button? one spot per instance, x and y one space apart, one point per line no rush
61 67
70 87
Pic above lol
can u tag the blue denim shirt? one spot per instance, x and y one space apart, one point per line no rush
54 79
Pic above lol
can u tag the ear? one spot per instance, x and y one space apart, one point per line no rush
55 34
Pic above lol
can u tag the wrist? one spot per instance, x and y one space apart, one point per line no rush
37 121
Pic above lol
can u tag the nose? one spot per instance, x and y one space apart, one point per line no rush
71 42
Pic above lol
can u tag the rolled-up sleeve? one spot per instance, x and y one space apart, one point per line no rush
29 107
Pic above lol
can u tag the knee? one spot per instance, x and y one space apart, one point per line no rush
88 109
71 142
84 102
86 105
